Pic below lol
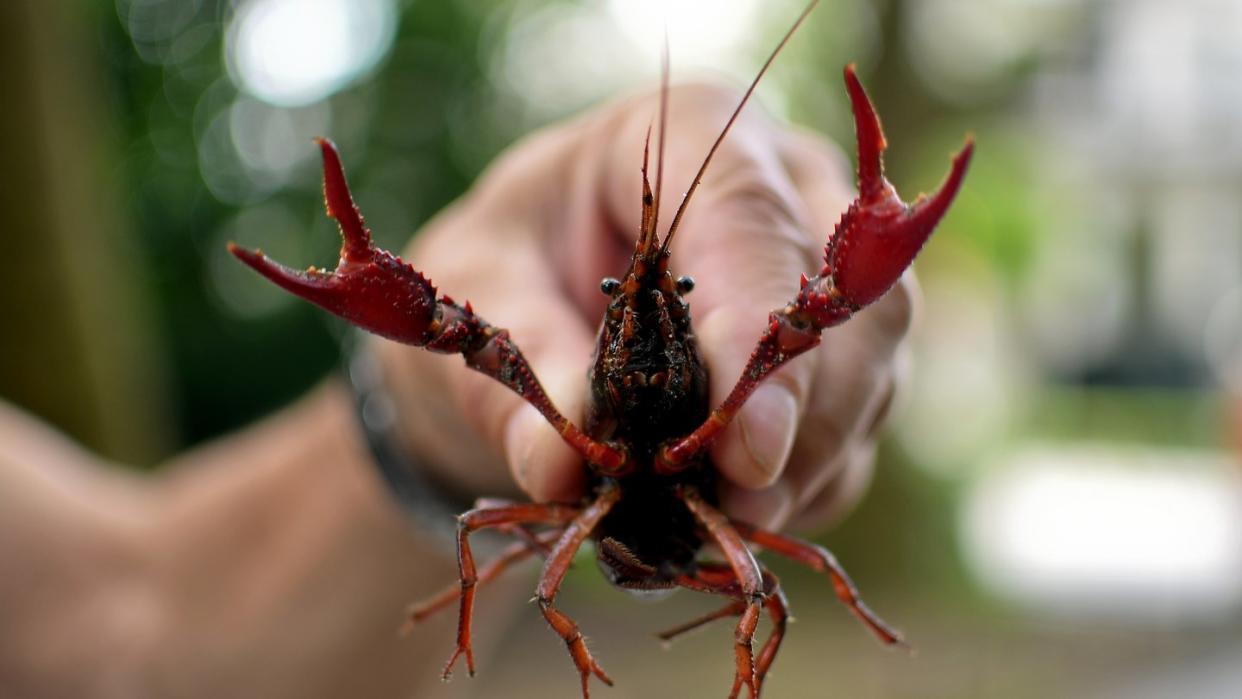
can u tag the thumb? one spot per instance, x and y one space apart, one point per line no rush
746 247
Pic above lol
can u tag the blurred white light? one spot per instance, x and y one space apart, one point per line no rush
697 31
1104 530
566 55
296 52
272 141
561 57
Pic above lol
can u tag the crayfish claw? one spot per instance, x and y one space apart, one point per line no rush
871 141
927 211
879 235
385 295
303 283
873 243
370 287
356 238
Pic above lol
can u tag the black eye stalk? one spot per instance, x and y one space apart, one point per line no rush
609 284
685 285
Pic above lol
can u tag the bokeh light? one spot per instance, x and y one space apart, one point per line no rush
1109 531
701 34
296 52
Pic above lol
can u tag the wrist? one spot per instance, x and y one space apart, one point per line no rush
432 501
432 398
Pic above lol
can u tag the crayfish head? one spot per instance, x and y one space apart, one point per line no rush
648 382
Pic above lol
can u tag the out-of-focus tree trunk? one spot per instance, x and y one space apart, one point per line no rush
76 343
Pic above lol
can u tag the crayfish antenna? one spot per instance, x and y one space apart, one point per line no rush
648 238
659 182
646 233
698 177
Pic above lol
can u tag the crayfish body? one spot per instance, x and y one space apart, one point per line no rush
652 504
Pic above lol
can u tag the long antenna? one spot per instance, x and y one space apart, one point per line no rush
681 210
659 183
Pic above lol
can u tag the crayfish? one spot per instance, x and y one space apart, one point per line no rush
652 499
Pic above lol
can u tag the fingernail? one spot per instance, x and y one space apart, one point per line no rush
768 508
768 423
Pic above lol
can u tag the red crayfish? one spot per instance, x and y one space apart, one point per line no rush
652 502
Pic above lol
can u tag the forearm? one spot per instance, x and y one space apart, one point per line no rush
71 549
294 546
269 563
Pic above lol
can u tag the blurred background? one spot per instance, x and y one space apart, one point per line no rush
1058 509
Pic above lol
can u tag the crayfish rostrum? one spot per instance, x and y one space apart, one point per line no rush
652 500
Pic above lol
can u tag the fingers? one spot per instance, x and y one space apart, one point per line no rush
830 462
767 508
745 239
851 376
521 294
851 396
464 423
491 249
840 495
528 248
749 248
858 365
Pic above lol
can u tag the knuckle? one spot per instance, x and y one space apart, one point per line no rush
809 155
708 96
762 209
749 192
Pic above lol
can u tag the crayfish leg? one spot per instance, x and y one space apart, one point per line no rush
750 586
483 518
821 560
554 570
717 579
529 545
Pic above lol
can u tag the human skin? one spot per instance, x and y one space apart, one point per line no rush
273 563
560 212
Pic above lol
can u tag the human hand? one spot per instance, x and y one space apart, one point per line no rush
530 243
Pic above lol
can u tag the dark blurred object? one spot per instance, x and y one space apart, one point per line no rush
78 345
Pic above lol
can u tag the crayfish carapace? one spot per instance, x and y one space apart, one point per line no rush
652 502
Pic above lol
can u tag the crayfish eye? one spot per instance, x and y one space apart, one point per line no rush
685 285
609 285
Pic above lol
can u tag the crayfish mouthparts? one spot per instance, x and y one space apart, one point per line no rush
653 501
